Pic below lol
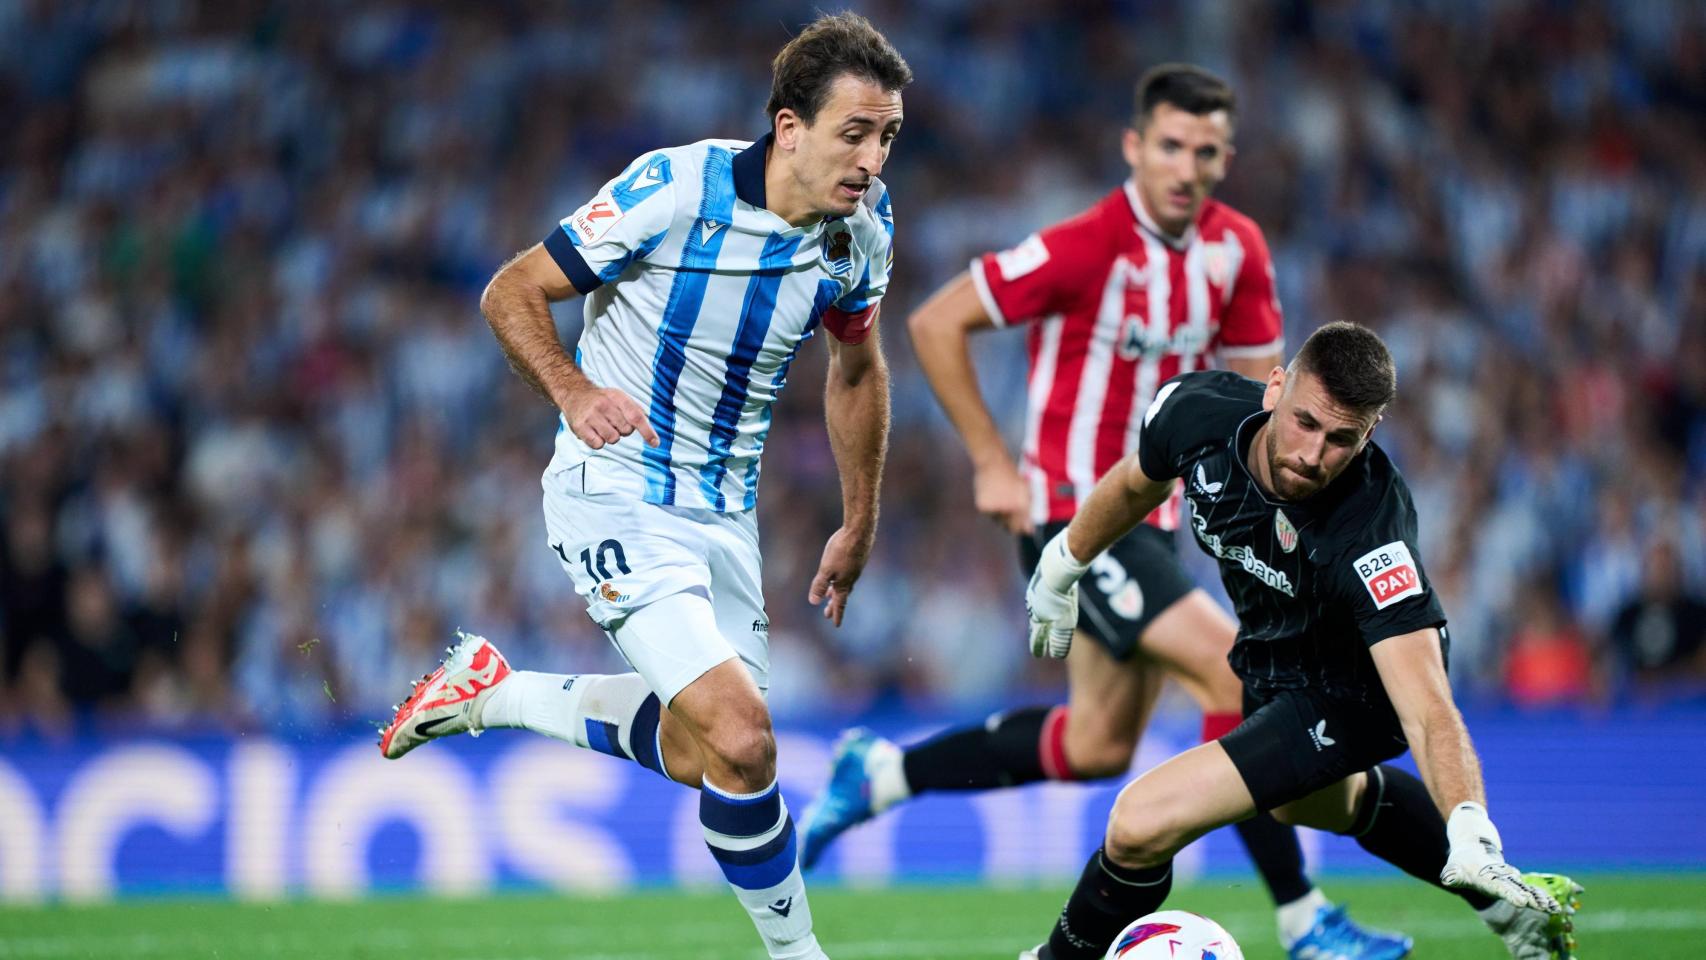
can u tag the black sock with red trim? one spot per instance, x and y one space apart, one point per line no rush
1006 750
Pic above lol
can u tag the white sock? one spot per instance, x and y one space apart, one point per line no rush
1297 918
885 765
752 838
534 701
617 715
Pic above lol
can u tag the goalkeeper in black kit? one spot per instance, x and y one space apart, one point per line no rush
1341 648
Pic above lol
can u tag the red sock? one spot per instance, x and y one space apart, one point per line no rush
1217 725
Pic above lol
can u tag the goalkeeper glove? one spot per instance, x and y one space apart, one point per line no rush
1477 861
1051 600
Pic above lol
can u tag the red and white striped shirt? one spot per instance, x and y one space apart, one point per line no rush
1120 308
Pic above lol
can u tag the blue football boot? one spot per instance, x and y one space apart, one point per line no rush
846 800
1336 937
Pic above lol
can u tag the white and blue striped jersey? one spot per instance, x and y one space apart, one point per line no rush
698 299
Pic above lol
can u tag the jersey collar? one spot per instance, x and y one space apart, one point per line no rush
749 172
1242 436
1149 226
747 168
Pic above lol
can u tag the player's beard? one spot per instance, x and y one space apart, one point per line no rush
1281 474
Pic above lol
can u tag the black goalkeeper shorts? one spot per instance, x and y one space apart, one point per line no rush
1125 589
1294 742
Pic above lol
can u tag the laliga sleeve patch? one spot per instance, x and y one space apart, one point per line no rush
1389 574
596 218
1022 259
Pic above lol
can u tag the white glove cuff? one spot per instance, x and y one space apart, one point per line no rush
1469 824
1060 569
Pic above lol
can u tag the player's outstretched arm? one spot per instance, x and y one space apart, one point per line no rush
517 306
1119 502
856 408
941 328
1412 668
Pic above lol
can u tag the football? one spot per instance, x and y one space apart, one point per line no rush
1174 935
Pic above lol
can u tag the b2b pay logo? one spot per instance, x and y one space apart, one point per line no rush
1389 574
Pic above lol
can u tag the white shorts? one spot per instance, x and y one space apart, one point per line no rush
624 553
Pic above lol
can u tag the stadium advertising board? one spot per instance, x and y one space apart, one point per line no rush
264 817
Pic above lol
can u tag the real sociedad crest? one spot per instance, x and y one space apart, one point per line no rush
838 250
1284 532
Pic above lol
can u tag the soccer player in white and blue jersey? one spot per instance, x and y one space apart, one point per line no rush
705 269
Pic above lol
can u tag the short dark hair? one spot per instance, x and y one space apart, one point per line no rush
834 44
1353 365
1189 88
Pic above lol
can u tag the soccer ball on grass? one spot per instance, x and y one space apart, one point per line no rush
1174 935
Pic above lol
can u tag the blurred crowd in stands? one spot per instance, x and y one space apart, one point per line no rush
260 457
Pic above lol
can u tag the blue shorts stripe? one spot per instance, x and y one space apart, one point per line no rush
686 298
755 315
644 738
732 817
763 867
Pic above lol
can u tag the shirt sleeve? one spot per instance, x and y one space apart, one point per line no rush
1159 446
852 316
1048 273
1380 578
1253 325
625 222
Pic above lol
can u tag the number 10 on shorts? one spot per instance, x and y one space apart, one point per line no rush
597 563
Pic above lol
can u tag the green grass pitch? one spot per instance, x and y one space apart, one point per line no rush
1650 916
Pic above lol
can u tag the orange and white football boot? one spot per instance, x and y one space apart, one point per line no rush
447 700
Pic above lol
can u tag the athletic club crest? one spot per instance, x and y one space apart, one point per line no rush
1216 264
1284 532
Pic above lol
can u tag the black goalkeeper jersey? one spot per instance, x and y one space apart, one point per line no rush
1316 582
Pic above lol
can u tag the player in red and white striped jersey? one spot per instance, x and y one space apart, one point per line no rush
1155 280
1116 301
